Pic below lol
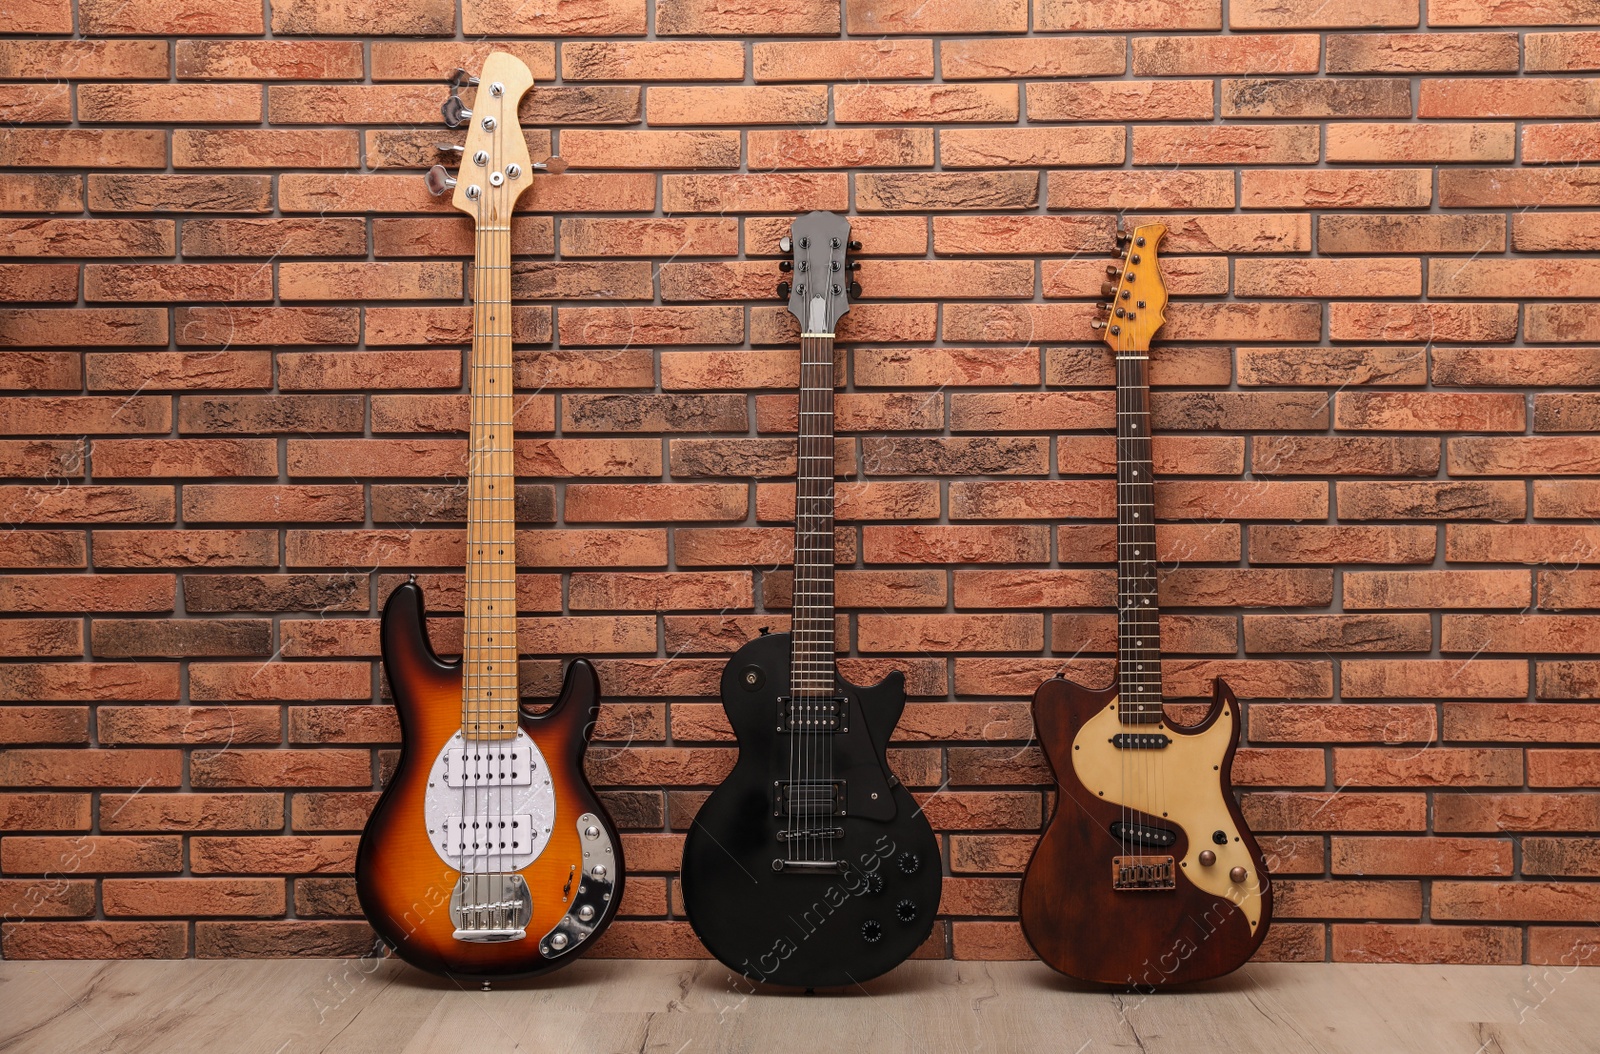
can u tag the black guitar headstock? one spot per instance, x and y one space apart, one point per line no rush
820 284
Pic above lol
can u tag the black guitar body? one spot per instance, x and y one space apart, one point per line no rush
769 904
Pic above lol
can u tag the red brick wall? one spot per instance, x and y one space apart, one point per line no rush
233 356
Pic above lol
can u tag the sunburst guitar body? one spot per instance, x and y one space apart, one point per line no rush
1146 874
488 854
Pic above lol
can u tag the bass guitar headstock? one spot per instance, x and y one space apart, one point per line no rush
1136 298
494 166
821 281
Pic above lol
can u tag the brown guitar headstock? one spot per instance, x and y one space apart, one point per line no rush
1136 298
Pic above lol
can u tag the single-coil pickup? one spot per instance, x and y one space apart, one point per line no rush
1142 872
485 763
808 798
1143 834
486 835
1139 741
813 713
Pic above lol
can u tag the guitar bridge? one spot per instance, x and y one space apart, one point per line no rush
810 832
1142 872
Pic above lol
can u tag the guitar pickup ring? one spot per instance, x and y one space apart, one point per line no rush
813 713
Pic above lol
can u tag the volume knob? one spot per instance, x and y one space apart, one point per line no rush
1238 874
909 863
1207 858
872 931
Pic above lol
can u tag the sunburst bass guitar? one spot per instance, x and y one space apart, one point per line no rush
488 854
1146 874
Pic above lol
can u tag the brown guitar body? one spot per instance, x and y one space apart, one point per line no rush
405 885
1206 924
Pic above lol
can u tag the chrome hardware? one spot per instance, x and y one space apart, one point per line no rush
1238 874
474 191
439 180
595 889
450 148
1207 858
497 89
513 171
490 124
490 909
455 112
553 165
462 79
481 157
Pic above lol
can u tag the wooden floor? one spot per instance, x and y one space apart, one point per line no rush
381 1007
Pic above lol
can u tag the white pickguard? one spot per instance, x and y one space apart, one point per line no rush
500 785
1179 784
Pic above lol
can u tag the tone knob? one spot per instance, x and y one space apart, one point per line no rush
909 863
1207 858
874 884
591 831
558 941
906 911
586 912
1238 874
598 871
872 931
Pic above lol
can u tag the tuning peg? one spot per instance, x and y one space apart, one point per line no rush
455 112
783 290
1122 237
1097 323
852 266
553 165
855 289
1108 290
450 148
785 244
1112 271
461 79
1103 308
438 180
854 246
785 265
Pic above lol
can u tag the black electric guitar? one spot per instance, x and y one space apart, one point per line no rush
1146 874
811 865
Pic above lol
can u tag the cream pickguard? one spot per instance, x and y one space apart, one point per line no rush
1180 783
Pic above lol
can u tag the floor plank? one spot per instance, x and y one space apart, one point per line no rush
337 1006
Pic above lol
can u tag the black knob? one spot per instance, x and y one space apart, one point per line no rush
852 267
785 265
783 290
855 289
874 884
1220 837
906 911
855 246
908 863
872 931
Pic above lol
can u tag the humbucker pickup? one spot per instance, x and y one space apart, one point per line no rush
808 798
488 763
1139 740
1142 872
813 713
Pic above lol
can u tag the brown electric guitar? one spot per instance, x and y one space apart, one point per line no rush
488 854
1146 875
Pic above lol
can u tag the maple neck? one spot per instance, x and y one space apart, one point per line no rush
1138 630
489 695
812 667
